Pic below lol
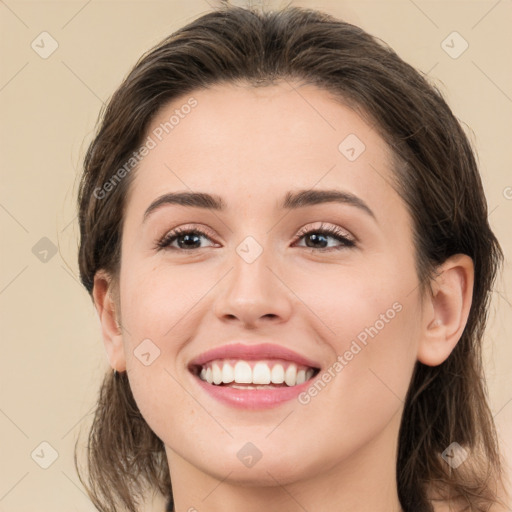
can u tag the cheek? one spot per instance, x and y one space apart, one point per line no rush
162 308
157 300
166 407
364 387
379 358
159 318
372 320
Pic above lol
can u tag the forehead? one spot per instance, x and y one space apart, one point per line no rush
242 142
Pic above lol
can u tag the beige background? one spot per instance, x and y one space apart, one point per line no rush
52 355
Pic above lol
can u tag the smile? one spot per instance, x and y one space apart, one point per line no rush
262 374
252 377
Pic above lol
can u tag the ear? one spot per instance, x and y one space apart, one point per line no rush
446 311
105 303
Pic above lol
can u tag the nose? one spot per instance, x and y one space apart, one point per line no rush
254 294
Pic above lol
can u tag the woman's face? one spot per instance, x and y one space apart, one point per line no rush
250 274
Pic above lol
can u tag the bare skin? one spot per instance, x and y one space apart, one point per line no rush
251 147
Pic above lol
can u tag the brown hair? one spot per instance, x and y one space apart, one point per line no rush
435 173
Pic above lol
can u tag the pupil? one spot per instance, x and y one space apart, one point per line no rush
187 238
314 237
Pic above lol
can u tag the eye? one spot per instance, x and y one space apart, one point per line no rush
187 239
321 235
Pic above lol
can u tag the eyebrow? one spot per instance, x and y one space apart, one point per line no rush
292 200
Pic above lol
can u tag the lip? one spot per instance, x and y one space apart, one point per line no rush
252 399
251 353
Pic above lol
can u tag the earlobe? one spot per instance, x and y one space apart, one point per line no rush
106 308
446 311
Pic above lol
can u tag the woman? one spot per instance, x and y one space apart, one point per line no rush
285 235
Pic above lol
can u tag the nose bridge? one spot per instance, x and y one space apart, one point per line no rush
253 290
251 275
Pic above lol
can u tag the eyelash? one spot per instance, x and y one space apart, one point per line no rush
331 231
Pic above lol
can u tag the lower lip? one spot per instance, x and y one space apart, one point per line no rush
253 398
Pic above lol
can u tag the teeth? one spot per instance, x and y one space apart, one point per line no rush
216 374
228 374
301 376
259 373
277 375
290 376
243 373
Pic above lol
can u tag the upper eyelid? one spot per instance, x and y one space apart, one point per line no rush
305 228
324 226
302 231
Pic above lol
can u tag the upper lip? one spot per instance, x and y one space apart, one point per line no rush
252 352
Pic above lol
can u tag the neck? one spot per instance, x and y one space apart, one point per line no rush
366 481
